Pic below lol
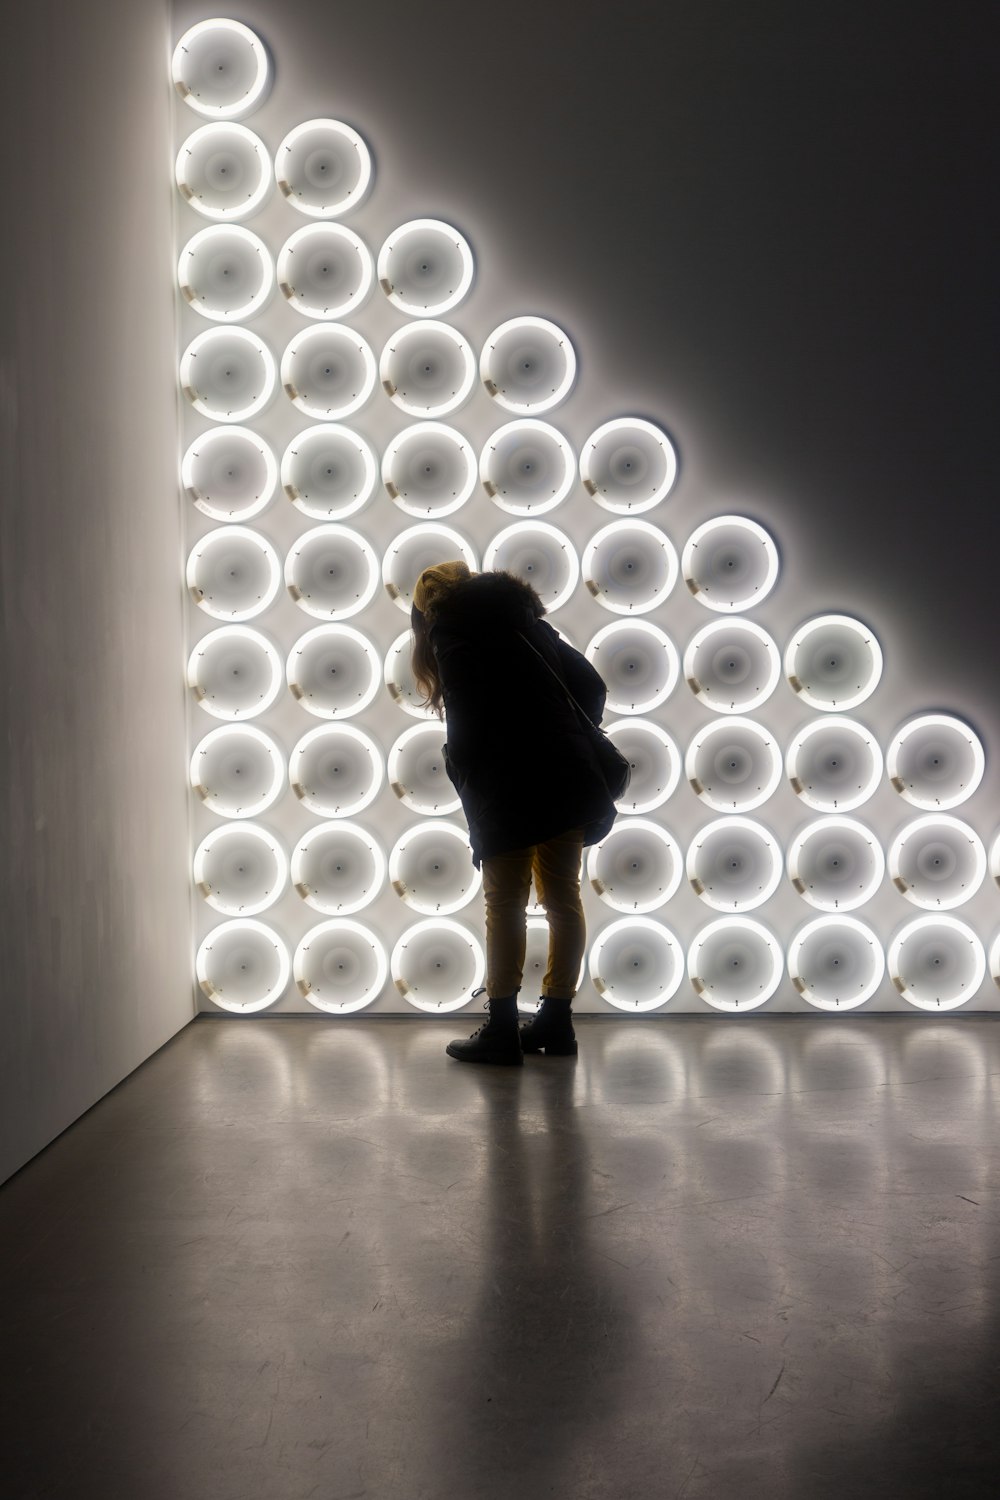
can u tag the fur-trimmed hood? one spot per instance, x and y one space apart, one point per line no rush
476 606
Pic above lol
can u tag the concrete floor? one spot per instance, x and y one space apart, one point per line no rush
709 1259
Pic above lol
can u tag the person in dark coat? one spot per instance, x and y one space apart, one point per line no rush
528 778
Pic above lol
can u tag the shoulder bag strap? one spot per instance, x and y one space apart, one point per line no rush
561 681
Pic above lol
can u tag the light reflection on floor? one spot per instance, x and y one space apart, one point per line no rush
709 1258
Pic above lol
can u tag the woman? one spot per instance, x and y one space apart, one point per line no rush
531 787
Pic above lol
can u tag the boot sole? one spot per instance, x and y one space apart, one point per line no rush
502 1062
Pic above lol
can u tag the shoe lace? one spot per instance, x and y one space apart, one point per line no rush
486 1005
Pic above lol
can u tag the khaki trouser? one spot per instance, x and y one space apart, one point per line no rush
555 865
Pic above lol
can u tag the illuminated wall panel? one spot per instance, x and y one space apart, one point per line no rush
361 399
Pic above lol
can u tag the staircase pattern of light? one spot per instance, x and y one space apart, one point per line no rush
316 360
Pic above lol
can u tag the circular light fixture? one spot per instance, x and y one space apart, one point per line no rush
540 555
336 770
243 966
527 467
734 864
237 771
332 572
937 862
528 365
836 963
437 964
223 171
935 761
340 966
431 869
425 268
415 549
429 469
397 673
732 666
418 772
733 765
226 273
628 466
334 671
329 472
323 168
936 963
427 369
833 662
220 69
836 863
834 764
228 374
235 673
240 869
337 868
730 564
735 964
655 761
638 662
637 867
328 371
233 573
636 964
325 271
630 567
229 473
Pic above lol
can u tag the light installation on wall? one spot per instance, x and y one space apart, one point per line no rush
354 411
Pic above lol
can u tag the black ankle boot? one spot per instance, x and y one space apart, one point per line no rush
495 1042
551 1029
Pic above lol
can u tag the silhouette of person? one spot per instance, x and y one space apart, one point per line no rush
530 782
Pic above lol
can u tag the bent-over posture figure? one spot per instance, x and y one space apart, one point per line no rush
530 784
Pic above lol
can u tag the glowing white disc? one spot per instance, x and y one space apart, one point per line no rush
223 171
730 564
833 662
735 964
240 869
323 168
220 69
628 466
437 964
229 473
226 273
340 966
836 963
528 365
936 963
243 966
935 761
425 268
636 964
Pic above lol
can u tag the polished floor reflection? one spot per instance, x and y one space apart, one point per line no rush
711 1258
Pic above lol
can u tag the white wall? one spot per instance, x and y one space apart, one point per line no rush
96 966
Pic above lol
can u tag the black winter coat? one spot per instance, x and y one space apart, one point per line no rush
516 753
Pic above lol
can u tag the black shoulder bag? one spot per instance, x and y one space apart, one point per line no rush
615 768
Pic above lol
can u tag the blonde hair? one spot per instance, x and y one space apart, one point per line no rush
424 664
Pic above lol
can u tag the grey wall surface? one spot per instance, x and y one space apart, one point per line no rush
96 969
